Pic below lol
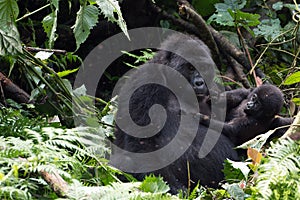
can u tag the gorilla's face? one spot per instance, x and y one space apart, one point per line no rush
198 82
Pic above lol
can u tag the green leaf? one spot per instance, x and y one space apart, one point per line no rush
222 15
154 185
9 35
49 24
268 28
10 43
67 84
243 166
87 18
81 91
277 6
108 8
245 19
66 72
235 191
292 79
296 101
205 8
9 10
235 170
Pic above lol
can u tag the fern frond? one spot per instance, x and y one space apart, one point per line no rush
282 164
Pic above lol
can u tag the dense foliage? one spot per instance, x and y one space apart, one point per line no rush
42 159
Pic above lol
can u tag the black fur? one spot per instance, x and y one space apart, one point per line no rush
253 115
207 170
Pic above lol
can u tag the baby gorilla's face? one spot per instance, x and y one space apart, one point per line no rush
253 105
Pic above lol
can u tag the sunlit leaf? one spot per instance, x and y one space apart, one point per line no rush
292 79
255 155
66 72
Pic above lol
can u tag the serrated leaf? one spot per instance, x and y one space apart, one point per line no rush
108 8
292 79
235 191
244 18
50 24
10 43
81 91
87 18
9 10
154 185
268 28
222 15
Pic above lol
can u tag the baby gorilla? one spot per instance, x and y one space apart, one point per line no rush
250 113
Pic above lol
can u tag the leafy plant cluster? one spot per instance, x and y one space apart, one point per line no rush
275 37
31 147
87 18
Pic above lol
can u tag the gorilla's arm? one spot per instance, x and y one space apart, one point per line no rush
238 130
233 98
278 122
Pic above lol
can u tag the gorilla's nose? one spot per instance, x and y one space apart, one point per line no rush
198 82
249 105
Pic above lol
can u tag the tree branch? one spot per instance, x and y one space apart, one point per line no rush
56 182
13 91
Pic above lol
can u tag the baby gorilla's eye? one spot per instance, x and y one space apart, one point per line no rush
254 98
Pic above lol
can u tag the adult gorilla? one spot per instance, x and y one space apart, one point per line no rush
185 55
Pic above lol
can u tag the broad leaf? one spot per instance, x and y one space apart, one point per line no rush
9 35
292 79
255 155
222 15
9 10
154 185
235 170
10 43
81 91
50 23
87 18
235 191
268 28
245 19
108 8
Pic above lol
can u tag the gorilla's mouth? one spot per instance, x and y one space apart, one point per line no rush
201 91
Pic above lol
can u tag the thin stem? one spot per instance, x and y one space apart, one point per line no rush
33 12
